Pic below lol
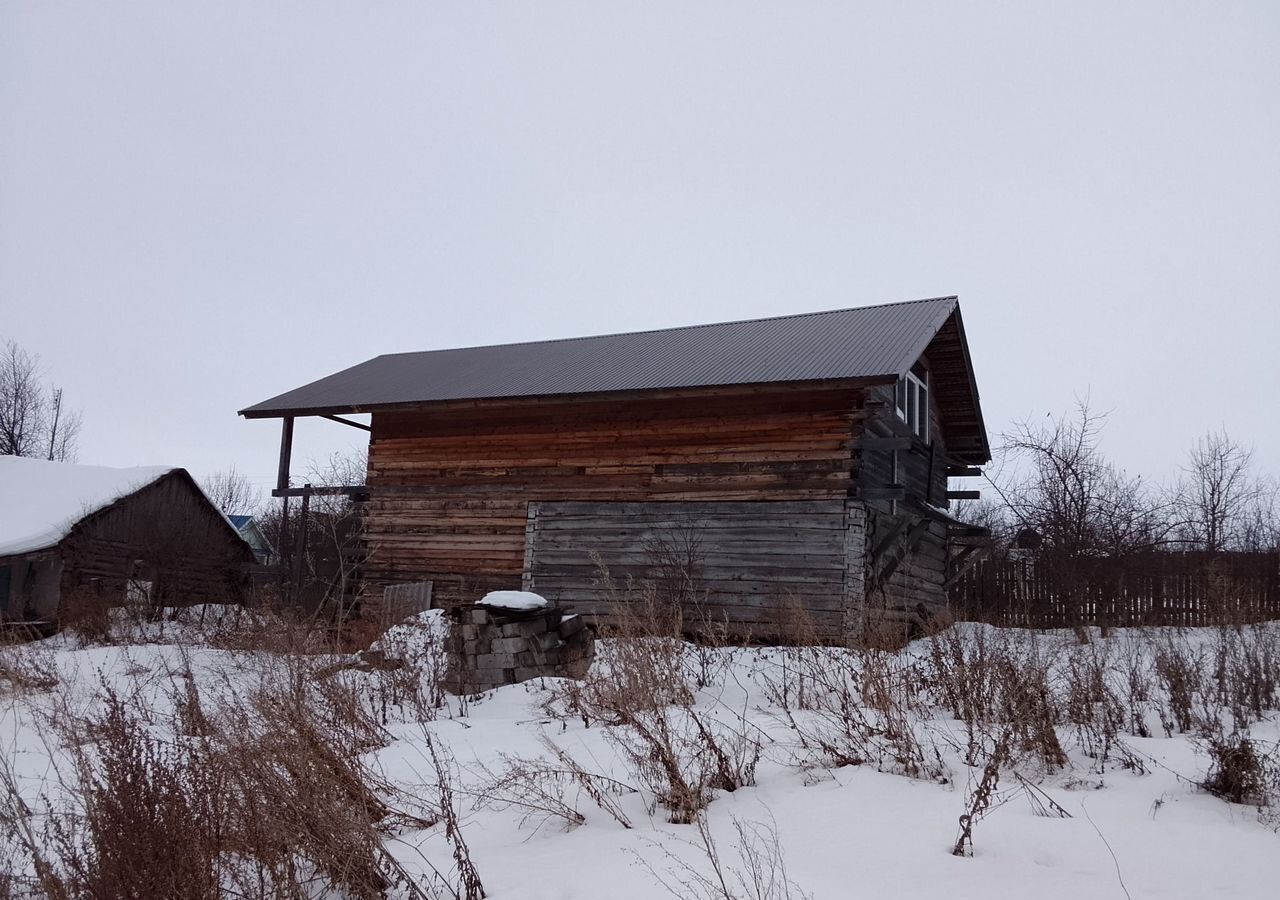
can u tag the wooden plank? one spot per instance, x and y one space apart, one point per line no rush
286 453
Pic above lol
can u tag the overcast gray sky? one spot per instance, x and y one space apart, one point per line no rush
205 204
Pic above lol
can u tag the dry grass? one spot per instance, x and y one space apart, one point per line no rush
255 784
761 872
643 688
262 774
551 788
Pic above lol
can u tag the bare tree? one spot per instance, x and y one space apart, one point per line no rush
334 527
989 513
1081 504
34 422
232 492
21 402
1260 531
1219 504
63 428
319 539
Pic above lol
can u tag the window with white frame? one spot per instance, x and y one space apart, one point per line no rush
912 401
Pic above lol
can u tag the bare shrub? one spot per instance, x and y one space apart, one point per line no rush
640 688
1180 673
302 805
137 797
1095 710
860 709
1246 667
269 626
87 615
266 796
409 674
27 667
464 882
789 677
983 794
984 679
760 875
1242 770
683 757
545 790
1135 671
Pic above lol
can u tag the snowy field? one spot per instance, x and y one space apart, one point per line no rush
685 771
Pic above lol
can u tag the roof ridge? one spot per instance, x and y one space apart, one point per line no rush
588 337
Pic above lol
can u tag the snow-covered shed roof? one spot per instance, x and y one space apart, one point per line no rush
41 501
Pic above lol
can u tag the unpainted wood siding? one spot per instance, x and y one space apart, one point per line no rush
913 593
921 469
907 550
449 490
166 533
740 564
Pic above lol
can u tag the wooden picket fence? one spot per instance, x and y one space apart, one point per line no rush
1183 589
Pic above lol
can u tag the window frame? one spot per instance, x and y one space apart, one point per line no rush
911 403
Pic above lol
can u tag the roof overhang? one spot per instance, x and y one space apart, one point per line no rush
721 390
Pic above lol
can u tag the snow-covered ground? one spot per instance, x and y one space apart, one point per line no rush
1133 822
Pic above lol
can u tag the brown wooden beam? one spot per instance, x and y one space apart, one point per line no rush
286 453
900 553
883 443
351 490
959 563
888 492
343 421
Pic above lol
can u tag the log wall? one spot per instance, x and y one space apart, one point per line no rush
167 533
736 563
921 469
449 490
906 584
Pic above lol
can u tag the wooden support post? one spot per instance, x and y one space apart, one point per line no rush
300 544
282 483
286 452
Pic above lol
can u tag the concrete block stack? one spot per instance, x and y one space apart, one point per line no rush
490 646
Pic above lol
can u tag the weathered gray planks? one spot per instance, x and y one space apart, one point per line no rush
744 558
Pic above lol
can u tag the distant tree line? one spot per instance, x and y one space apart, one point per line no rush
1053 486
34 420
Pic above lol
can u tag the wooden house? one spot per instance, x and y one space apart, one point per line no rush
72 533
250 530
803 459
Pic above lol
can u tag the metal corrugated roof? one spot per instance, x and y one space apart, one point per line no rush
864 342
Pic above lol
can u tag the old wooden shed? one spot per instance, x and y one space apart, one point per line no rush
802 458
72 534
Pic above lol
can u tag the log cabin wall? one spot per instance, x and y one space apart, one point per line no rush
729 563
449 491
907 561
167 534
